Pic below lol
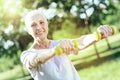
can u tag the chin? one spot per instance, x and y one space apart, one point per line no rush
41 37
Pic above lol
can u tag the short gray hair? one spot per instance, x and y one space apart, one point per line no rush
31 13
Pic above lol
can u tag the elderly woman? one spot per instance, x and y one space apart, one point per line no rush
44 60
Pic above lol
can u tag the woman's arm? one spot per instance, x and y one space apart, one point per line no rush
102 32
85 41
66 46
41 57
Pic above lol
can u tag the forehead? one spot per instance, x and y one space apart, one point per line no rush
37 17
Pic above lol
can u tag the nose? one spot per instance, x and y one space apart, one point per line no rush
38 27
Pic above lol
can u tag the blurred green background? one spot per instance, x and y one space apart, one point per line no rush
67 19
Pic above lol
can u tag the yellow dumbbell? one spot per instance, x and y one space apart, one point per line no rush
58 50
114 29
98 35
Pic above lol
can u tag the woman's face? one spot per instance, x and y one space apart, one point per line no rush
38 26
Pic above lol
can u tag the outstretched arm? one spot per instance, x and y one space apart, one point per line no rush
41 57
102 32
67 46
85 41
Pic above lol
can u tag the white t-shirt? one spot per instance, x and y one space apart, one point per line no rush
56 68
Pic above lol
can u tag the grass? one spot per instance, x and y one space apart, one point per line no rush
109 70
13 74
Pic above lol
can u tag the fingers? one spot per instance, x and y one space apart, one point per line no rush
105 30
68 46
74 51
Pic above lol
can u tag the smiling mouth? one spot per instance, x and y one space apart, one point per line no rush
39 32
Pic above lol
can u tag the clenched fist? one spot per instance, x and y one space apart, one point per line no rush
105 31
68 46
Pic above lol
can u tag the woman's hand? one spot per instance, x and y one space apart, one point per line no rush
68 46
105 31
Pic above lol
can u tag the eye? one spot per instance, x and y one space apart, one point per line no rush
33 25
41 22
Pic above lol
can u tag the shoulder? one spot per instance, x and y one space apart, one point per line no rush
26 53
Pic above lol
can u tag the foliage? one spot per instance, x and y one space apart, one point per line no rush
13 37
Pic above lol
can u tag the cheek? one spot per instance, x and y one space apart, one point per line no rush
46 26
47 30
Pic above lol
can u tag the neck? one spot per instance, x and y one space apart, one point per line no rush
41 43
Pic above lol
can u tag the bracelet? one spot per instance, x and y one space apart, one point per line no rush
97 35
